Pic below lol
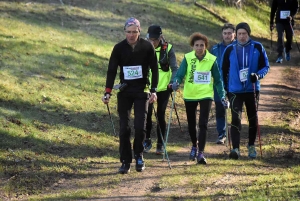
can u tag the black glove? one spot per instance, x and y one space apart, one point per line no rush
271 27
254 77
225 103
106 97
169 88
175 86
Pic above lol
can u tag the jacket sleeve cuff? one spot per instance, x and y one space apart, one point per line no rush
153 90
108 90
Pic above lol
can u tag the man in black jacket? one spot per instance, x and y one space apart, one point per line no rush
135 57
285 11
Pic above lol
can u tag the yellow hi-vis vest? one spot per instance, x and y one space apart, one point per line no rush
196 91
164 78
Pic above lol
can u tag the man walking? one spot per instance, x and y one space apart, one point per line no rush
244 63
135 57
285 10
228 35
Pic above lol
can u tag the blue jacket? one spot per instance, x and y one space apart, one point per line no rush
236 57
218 50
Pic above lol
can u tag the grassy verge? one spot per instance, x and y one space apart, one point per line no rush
56 133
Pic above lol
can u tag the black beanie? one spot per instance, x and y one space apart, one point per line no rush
243 25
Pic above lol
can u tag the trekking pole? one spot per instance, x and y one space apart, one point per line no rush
176 114
229 140
170 118
257 125
271 41
294 36
211 115
162 139
227 131
226 127
112 123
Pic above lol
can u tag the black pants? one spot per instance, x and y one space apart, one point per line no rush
236 105
162 102
191 110
125 102
281 28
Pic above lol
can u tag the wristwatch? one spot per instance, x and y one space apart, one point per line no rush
153 90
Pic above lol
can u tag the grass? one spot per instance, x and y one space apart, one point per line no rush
57 141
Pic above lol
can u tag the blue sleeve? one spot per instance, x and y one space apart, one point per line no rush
263 63
214 51
225 65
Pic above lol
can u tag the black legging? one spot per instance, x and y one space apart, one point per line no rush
162 102
140 103
236 106
281 28
191 110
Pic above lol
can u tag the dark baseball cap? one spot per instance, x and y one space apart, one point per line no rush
154 31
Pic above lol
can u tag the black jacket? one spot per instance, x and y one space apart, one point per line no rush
283 5
124 55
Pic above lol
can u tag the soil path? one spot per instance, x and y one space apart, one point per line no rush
279 87
276 92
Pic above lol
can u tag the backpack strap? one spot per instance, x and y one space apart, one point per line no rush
163 57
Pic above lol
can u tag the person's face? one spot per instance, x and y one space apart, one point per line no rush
154 41
228 35
199 47
132 34
242 36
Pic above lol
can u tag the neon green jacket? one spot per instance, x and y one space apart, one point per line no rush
165 77
191 66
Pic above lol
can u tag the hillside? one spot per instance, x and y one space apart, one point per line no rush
56 137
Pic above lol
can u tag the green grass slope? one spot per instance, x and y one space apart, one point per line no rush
53 65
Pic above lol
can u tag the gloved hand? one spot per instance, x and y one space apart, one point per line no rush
225 103
106 98
175 86
152 98
271 27
169 88
254 77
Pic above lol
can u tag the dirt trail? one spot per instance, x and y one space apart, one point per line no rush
275 93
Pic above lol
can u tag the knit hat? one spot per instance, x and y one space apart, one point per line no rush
154 31
243 25
132 21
